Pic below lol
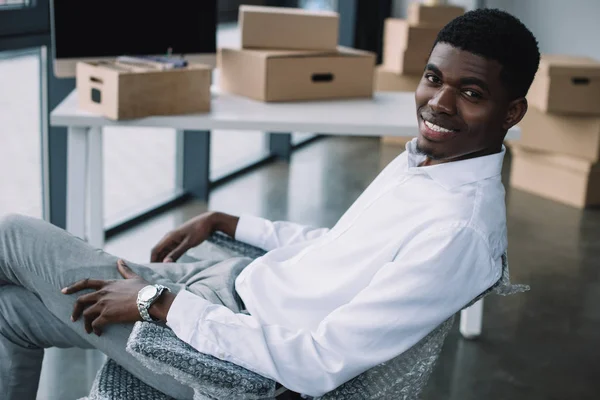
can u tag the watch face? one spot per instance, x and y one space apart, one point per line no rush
147 293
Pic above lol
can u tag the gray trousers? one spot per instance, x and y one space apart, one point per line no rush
37 259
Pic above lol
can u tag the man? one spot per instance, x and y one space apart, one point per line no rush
323 305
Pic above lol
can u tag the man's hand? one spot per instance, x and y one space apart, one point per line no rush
114 301
175 243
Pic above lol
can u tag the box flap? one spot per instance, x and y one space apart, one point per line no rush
351 51
556 64
244 8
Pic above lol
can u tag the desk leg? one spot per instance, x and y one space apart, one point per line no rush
471 320
280 145
193 163
76 180
95 189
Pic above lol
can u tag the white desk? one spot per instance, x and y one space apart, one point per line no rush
387 114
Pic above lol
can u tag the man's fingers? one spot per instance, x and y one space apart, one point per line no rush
178 252
84 284
166 244
157 252
89 316
125 271
82 302
98 324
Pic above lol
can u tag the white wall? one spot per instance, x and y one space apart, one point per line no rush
561 26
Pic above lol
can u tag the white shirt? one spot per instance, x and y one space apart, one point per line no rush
328 304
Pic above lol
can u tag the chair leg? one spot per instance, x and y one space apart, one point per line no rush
471 320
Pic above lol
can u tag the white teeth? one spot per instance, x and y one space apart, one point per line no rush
436 127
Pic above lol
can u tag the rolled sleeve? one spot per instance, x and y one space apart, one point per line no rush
185 310
269 235
252 230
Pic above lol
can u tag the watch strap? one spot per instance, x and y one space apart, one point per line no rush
144 306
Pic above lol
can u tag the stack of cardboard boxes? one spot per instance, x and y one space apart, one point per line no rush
290 54
558 154
406 47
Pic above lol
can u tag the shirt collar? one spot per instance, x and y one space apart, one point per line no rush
457 173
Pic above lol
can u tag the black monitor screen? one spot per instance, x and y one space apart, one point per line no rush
107 28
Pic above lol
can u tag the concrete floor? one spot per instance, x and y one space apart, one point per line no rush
539 345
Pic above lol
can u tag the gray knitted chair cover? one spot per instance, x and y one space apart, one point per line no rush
403 377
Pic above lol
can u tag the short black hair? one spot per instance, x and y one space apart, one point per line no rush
497 35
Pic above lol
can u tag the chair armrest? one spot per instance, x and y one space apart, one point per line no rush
241 248
160 350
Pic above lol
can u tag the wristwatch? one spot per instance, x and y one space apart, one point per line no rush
146 297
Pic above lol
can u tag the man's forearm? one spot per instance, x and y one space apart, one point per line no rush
224 223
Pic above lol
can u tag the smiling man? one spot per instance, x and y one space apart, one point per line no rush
323 305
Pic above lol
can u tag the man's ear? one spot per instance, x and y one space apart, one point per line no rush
516 111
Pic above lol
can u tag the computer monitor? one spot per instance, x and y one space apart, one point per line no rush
94 30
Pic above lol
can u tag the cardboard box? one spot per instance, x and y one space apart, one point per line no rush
388 81
563 134
272 75
567 85
120 93
288 28
399 141
406 47
438 15
409 61
565 179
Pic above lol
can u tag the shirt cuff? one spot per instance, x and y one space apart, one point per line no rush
252 230
183 307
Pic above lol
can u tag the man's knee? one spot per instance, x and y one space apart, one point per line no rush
13 305
15 228
12 223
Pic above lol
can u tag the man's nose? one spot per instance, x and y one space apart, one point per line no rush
444 101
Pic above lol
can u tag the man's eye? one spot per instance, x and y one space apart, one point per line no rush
432 78
473 94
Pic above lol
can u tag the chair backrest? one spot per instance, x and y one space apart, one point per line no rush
405 376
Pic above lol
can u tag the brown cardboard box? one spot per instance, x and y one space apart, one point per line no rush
408 61
386 81
406 47
288 28
439 15
573 135
119 93
565 179
397 140
276 75
566 84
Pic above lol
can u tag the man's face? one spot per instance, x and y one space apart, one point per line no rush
462 105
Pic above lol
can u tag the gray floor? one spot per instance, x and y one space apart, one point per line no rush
538 345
